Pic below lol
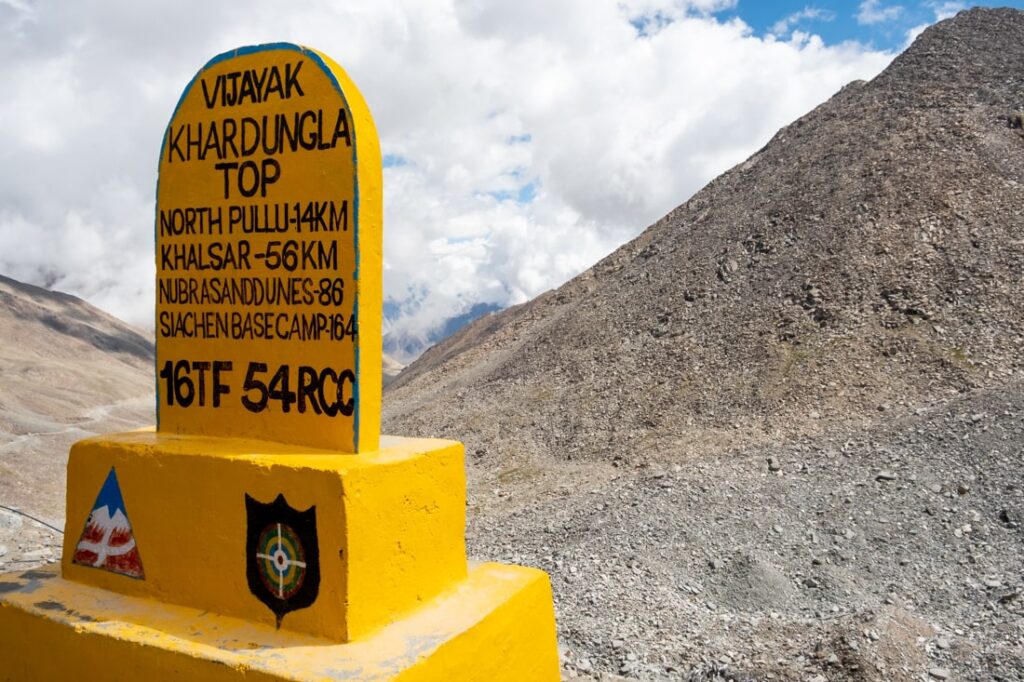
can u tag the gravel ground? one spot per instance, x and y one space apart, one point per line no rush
894 552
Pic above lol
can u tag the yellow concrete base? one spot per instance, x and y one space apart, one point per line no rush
495 625
390 523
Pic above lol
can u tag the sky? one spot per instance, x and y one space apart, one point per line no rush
522 141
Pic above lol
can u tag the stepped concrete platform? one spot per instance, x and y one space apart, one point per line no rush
496 625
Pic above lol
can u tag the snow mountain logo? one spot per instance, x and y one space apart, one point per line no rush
107 541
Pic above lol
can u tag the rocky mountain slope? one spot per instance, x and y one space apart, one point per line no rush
779 435
886 554
67 371
868 260
391 368
60 356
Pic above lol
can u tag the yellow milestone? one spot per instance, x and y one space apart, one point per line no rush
268 255
264 529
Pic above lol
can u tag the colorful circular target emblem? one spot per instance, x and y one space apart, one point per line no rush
282 555
281 560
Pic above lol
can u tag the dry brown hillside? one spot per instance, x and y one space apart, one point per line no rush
60 355
867 260
67 370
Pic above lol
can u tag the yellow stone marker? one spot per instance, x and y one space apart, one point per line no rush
268 255
264 529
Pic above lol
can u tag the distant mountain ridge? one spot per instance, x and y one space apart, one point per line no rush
868 259
405 347
60 356
67 371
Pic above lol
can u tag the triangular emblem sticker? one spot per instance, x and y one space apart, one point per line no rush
107 541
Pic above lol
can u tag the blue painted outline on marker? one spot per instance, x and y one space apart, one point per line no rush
224 56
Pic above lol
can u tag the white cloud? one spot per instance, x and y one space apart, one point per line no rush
914 32
945 10
649 17
526 139
784 25
675 8
15 14
872 12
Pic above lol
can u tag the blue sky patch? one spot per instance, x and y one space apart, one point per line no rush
648 24
882 24
524 195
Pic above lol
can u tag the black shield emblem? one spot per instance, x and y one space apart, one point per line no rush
282 560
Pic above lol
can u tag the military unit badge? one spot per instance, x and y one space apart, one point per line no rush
282 557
